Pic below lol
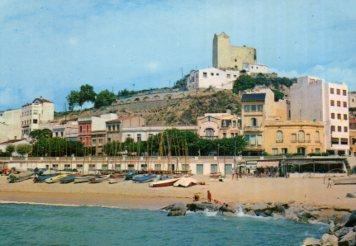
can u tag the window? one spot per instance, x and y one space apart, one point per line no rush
274 151
224 135
344 92
332 115
345 129
35 121
332 128
345 116
294 137
253 108
339 116
247 108
301 136
118 167
284 151
331 90
254 122
139 137
109 128
157 167
217 74
344 141
334 141
228 75
205 74
339 128
213 168
80 128
279 137
332 103
317 150
209 132
212 74
338 103
307 136
259 108
338 91
345 104
317 136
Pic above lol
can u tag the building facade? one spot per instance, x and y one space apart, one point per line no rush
353 136
114 127
40 111
293 137
212 77
10 125
314 99
259 106
91 125
218 125
144 132
229 57
256 69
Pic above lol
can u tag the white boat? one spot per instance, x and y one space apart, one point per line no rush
185 182
164 183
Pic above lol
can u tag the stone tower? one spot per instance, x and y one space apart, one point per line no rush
227 56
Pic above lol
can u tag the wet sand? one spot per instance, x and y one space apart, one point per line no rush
125 194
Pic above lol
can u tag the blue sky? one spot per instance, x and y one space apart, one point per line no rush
48 48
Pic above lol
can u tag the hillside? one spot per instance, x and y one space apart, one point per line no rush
169 111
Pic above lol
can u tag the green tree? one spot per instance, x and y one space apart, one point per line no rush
125 93
86 94
58 147
10 149
24 149
104 98
73 99
41 133
181 83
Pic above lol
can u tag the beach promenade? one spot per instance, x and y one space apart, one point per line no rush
125 194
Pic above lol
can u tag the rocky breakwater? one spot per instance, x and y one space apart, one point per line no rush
342 222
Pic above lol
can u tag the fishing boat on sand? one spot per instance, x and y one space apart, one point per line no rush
42 177
185 182
56 178
129 175
164 183
143 178
113 181
83 179
99 179
67 179
14 178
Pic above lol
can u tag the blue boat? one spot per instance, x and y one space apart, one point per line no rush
43 177
144 178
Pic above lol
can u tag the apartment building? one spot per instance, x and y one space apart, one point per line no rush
10 125
259 106
40 111
293 137
353 136
90 128
114 127
314 99
218 125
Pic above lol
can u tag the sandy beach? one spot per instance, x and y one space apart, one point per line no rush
125 194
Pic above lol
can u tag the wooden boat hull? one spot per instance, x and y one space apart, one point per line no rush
164 183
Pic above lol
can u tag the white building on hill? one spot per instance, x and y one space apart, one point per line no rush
40 111
314 99
212 77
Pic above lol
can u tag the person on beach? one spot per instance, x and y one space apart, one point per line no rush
209 196
329 183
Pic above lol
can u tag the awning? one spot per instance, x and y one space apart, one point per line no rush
265 164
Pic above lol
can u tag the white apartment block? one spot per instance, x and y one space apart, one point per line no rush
40 111
212 77
314 99
10 125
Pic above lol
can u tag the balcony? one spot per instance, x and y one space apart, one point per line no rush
252 128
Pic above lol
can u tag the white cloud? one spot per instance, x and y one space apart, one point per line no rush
152 66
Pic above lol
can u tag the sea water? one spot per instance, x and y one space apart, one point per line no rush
23 224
